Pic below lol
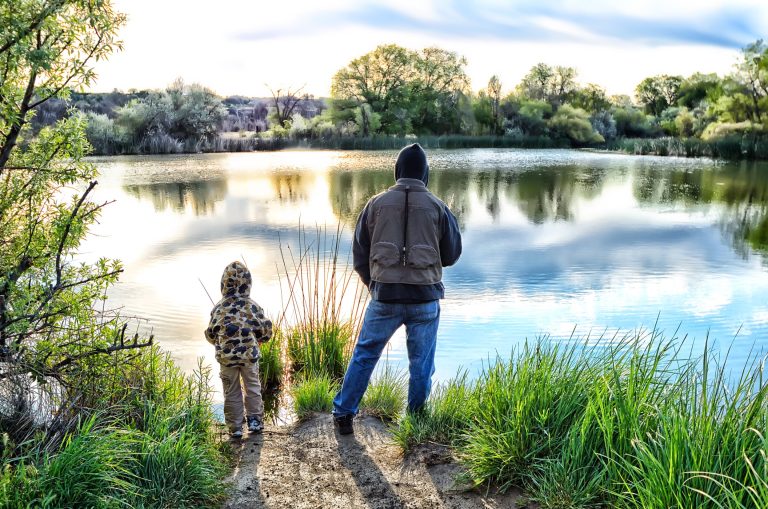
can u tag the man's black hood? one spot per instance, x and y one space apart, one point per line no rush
412 164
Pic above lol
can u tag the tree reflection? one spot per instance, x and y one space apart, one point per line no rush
544 195
290 188
200 196
741 187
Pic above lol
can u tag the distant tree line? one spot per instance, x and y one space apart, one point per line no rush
396 92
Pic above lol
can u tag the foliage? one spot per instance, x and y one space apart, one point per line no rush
180 118
48 322
395 91
271 364
573 123
657 93
313 394
150 441
554 85
386 394
410 90
150 444
633 422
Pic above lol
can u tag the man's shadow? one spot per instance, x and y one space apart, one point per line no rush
371 482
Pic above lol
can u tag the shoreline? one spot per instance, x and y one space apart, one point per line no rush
362 148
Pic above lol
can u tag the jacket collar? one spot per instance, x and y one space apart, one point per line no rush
412 184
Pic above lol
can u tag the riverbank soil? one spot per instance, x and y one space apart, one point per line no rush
309 465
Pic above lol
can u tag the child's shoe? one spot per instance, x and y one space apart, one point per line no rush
255 425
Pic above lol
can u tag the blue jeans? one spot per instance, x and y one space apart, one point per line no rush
381 321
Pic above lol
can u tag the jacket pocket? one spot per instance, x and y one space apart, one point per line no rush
385 254
422 256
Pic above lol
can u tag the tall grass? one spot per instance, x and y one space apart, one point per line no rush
386 394
271 362
730 147
632 424
313 394
445 417
144 437
323 309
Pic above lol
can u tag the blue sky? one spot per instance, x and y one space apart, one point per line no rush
245 47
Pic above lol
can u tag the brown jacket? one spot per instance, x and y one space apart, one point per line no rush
406 255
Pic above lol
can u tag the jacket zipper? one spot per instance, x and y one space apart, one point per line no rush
405 225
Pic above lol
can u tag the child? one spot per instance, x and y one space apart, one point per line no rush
236 329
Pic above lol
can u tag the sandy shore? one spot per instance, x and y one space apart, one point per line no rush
308 465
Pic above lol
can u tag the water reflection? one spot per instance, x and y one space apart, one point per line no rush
200 196
553 240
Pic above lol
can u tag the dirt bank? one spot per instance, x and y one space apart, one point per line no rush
308 465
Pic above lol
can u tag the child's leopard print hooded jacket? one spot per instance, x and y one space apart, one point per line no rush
237 323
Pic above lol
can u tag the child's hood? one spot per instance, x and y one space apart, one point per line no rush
236 280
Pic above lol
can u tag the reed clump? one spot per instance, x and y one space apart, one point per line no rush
386 394
146 437
323 309
632 423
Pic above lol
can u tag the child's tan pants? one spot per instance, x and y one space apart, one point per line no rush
233 397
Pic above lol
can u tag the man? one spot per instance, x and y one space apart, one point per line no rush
403 239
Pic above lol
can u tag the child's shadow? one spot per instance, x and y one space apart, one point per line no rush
245 488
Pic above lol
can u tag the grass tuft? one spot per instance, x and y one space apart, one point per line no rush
633 423
386 394
313 394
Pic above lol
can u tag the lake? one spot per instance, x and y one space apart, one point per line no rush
561 243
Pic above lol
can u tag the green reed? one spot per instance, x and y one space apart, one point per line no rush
271 362
313 394
730 147
630 423
323 304
147 438
386 394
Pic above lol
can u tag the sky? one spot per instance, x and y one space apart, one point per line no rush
248 47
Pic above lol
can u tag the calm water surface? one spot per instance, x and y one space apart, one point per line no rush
554 241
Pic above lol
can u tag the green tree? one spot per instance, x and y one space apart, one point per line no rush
494 95
482 107
591 98
197 112
698 88
657 93
552 84
48 323
573 123
752 75
532 117
408 89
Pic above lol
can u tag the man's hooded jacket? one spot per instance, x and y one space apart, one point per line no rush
405 236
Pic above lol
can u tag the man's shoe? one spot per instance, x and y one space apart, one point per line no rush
344 423
236 435
255 425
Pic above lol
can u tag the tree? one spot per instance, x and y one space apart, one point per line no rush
698 88
494 94
285 102
591 98
657 93
545 83
197 112
408 89
574 124
752 74
48 323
